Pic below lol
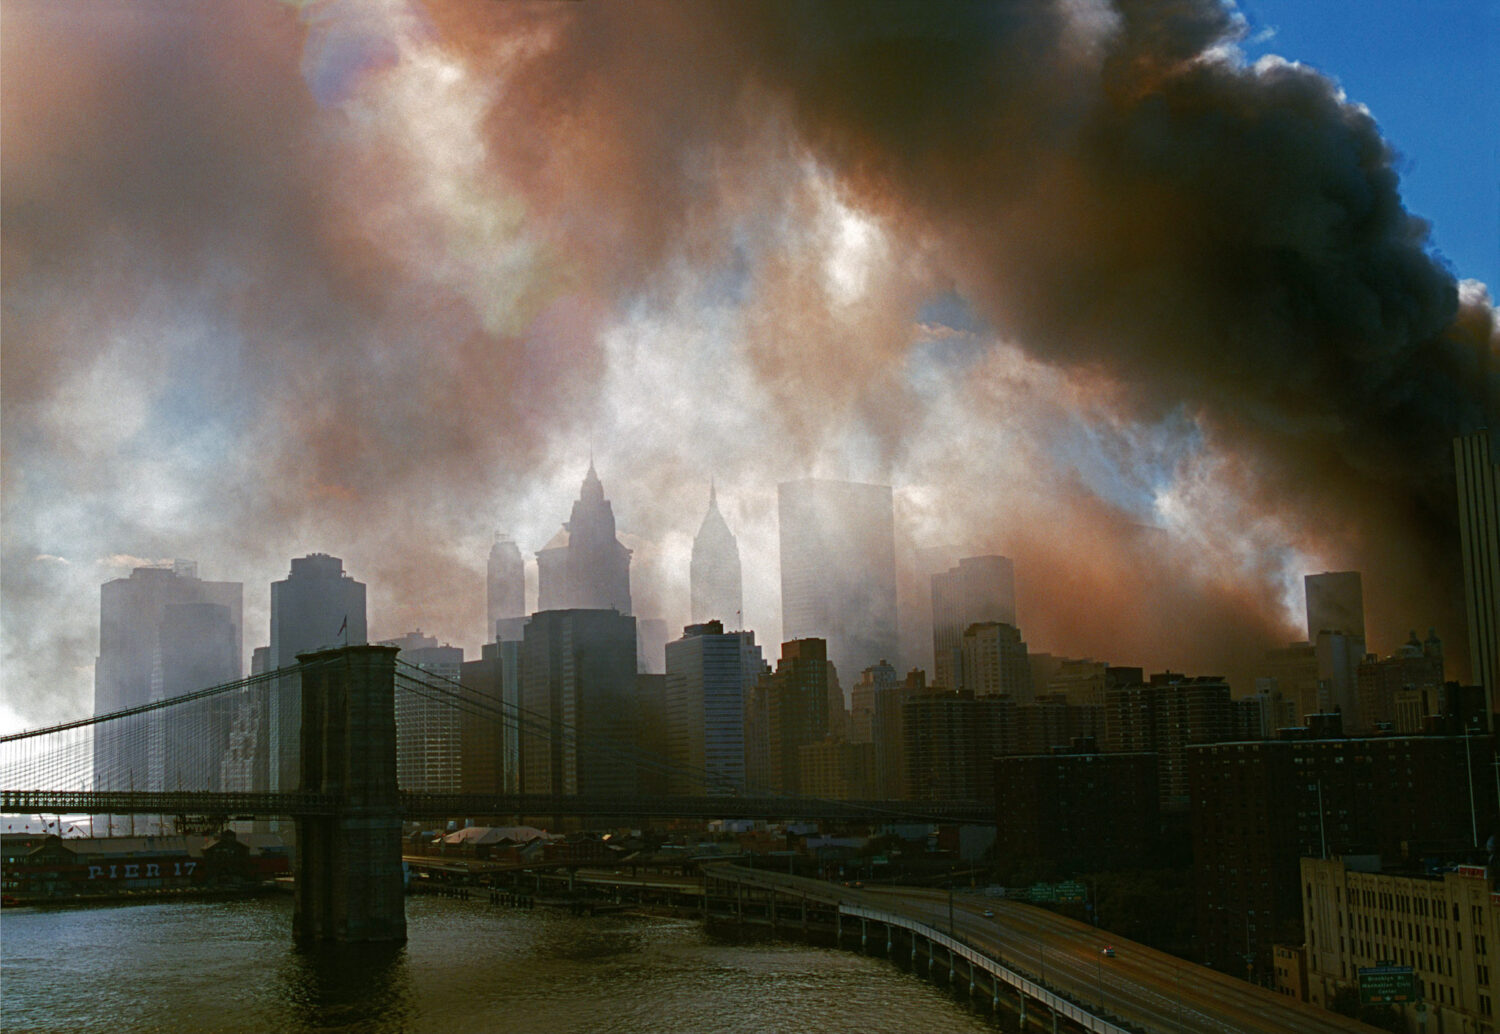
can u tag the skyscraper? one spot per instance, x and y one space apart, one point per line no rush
490 728
505 588
1336 628
429 745
1478 475
714 574
785 711
316 606
1335 603
994 661
162 632
708 672
838 570
979 589
585 567
578 677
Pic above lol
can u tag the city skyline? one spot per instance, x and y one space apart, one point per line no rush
917 649
343 311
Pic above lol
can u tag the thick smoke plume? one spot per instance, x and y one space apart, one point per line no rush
373 279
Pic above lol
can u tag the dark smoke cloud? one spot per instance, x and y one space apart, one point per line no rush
372 278
1116 192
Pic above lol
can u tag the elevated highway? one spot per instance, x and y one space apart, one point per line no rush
1139 987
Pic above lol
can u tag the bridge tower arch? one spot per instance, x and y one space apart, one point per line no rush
348 864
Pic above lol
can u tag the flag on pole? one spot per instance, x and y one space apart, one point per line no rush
344 630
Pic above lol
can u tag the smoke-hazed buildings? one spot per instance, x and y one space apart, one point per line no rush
585 567
1478 468
714 574
838 569
578 695
316 606
993 661
505 590
979 589
708 673
164 632
1335 603
1164 717
952 739
1336 628
1415 665
429 724
490 746
785 711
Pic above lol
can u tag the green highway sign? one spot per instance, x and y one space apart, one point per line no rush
1383 984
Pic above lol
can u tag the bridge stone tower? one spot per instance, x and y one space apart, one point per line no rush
348 865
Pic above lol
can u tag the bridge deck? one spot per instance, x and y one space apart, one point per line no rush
424 806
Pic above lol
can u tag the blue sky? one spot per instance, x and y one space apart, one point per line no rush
1430 74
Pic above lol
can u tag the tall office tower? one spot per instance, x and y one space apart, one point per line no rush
652 777
980 589
429 723
651 645
1336 628
708 673
491 728
1295 670
838 569
585 567
1335 603
1338 657
315 607
198 646
505 587
994 661
162 632
874 680
784 711
714 574
578 678
1479 529
245 755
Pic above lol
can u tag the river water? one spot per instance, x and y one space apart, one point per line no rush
467 967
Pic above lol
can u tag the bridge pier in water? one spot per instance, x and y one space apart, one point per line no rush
348 865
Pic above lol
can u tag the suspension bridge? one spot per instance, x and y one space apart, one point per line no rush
316 743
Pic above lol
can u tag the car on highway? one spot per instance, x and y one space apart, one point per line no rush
1108 951
989 913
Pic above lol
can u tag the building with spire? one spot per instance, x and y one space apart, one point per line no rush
505 591
717 593
585 567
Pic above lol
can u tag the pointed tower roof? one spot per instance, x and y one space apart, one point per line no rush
714 528
593 489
